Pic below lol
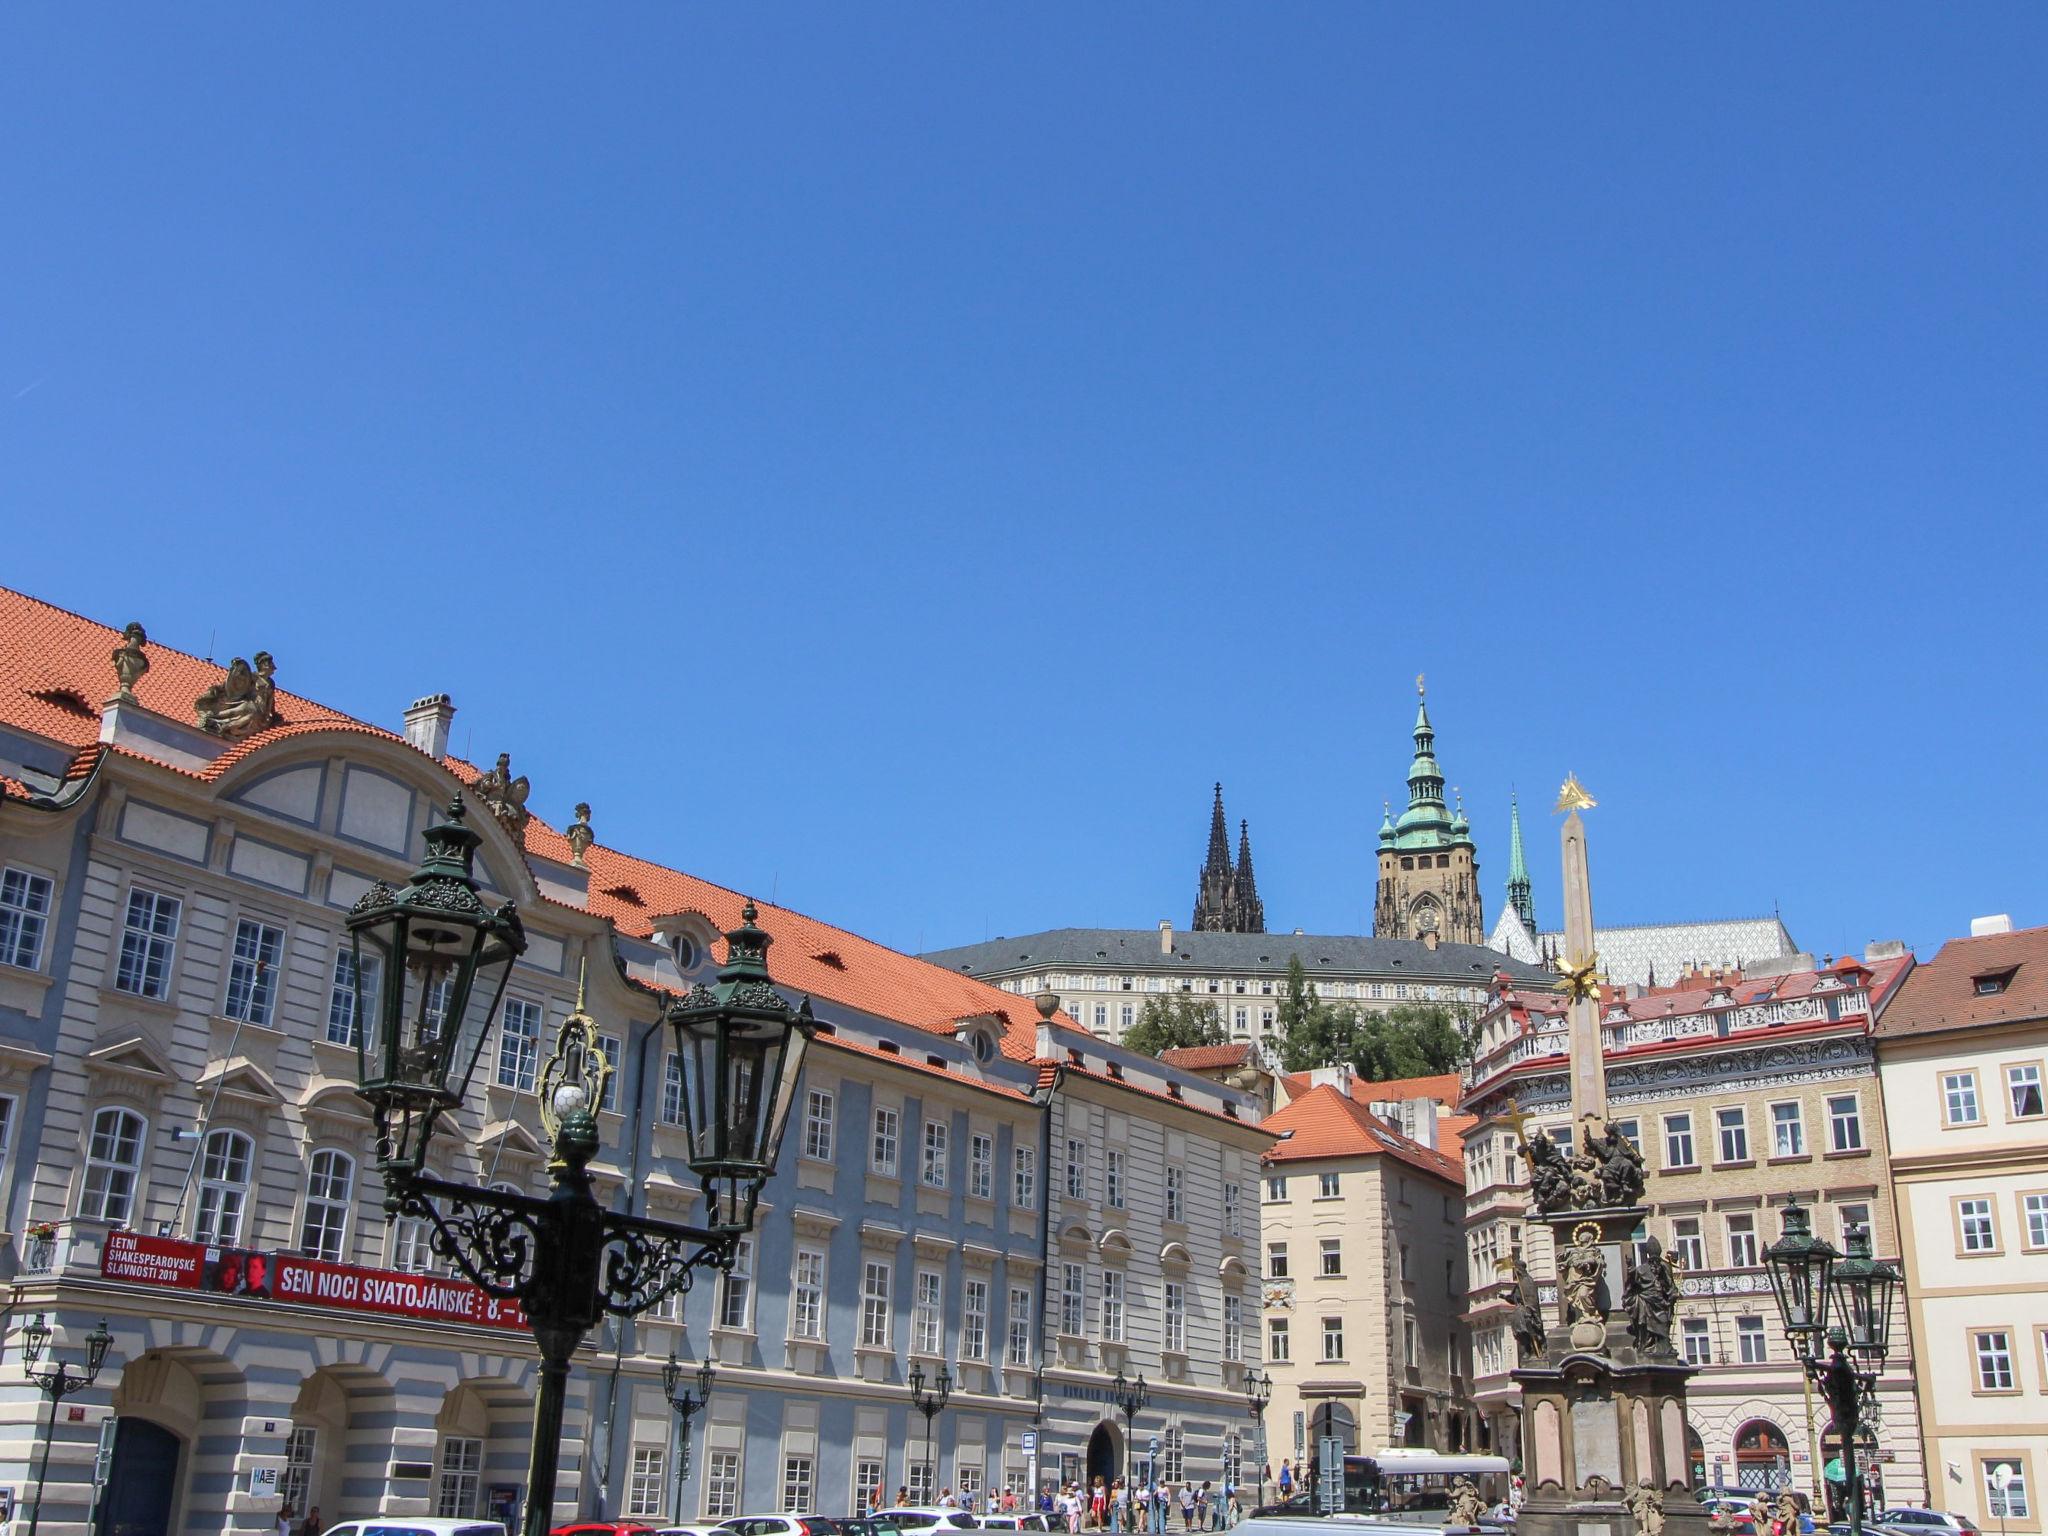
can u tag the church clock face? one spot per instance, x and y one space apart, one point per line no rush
1425 918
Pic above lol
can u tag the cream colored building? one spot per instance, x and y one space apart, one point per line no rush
1365 1268
1962 1055
1741 1092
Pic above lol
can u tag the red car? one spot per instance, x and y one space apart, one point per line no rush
605 1528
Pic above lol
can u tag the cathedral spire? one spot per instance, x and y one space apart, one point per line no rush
1250 916
1219 838
1518 868
1428 866
1215 887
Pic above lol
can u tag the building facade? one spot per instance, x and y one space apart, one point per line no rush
1962 1050
1362 1229
1741 1092
185 1155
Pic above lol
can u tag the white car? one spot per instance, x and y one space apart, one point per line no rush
929 1519
398 1525
1018 1520
687 1530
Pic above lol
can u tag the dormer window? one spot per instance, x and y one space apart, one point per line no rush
1991 983
684 948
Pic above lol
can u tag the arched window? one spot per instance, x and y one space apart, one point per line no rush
330 1190
1762 1458
223 1187
113 1161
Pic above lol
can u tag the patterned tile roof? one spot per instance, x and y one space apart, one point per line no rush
1629 955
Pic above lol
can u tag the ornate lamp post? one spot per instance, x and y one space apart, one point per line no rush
58 1382
686 1407
1130 1398
438 957
930 1402
1843 1358
1258 1392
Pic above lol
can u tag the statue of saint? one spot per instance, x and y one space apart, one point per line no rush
1580 1268
130 662
502 795
1621 1168
1550 1177
1647 1505
1650 1297
243 702
1526 1321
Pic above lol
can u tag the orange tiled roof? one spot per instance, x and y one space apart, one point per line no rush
1324 1123
1444 1087
1942 994
1207 1058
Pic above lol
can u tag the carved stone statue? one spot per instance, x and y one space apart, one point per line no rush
579 834
130 662
1621 1168
504 796
1650 1297
243 702
1788 1511
1580 1269
1646 1504
1526 1321
1465 1505
1550 1178
1583 1171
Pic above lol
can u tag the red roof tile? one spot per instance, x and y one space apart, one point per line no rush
1943 995
1207 1058
1324 1123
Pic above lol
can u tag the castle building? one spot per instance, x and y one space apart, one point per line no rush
1227 896
1429 868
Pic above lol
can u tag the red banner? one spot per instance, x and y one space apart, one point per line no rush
180 1265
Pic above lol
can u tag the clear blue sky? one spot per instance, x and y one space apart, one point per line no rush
897 457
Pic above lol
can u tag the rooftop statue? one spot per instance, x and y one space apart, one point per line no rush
130 662
504 796
242 703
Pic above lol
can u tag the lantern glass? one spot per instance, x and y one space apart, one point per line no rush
1863 1288
35 1338
671 1376
1800 1265
97 1343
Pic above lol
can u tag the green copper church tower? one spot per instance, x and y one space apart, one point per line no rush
1429 868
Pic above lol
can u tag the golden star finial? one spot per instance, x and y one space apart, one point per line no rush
1418 685
1579 979
1573 796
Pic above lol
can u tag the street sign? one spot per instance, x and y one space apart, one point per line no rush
103 1463
1030 1442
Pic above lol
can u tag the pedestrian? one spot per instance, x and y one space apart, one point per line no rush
1286 1480
903 1497
1236 1510
1160 1498
1205 1506
310 1526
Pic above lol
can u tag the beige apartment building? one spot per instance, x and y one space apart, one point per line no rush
1962 1050
1742 1091
1365 1271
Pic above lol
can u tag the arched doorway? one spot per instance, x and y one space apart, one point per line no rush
1762 1458
142 1481
1696 1456
1105 1454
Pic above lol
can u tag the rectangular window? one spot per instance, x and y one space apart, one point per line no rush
518 1044
1332 1256
807 1295
796 1485
925 1312
736 1289
342 996
1276 1189
1687 1243
1845 1123
1751 1345
1233 1220
875 1281
1333 1338
2011 1501
722 1485
614 1051
1176 1202
24 917
1112 1306
649 1481
1678 1149
1113 1178
252 972
296 1485
1077 1169
330 1190
923 1481
1978 1227
1993 1347
981 1167
1854 1214
1233 1329
974 1320
224 1168
1788 1131
1024 1177
1276 1339
1172 1452
1633 1130
1742 1249
412 1247
937 1141
1072 1297
1019 1353
1959 1098
2023 1090
818 1121
1733 1125
462 1467
1102 1019
1126 1017
672 1089
867 1484
1327 1186
1276 1261
2034 1217
113 1164
1176 1312
149 936
882 1155
1699 1349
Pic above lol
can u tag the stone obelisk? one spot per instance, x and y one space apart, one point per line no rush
1603 1402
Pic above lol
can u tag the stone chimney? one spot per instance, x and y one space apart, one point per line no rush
2000 922
1048 1004
1165 936
427 722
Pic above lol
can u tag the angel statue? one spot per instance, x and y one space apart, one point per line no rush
1550 1176
1647 1505
504 796
243 702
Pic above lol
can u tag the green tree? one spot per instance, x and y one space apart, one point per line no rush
1175 1021
1313 1033
1407 1040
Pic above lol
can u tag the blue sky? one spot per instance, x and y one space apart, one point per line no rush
896 458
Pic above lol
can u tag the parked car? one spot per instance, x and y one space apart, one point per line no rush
1017 1520
778 1525
392 1526
686 1530
914 1522
604 1528
1907 1518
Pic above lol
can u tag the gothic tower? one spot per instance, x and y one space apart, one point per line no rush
1227 898
1429 868
1518 869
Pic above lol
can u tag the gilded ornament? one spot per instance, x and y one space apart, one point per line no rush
1573 796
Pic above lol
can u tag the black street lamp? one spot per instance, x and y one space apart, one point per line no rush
1811 1280
438 957
686 1407
929 1402
58 1383
1258 1392
1130 1398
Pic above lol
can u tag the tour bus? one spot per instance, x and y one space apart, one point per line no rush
1409 1487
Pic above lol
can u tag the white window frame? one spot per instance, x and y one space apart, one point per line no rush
114 1161
224 1184
255 964
1678 1136
647 1483
330 1200
519 1027
1744 1250
938 1154
722 1482
671 1089
1845 1128
1174 1311
2022 1076
885 1141
1788 1132
1992 1359
877 1281
927 1312
461 1477
342 992
149 947
1279 1341
1024 1178
1176 1194
1752 1343
1958 1093
1977 1217
1333 1338
1697 1339
807 1294
1073 1300
1736 1130
1329 1258
974 1318
1077 1169
26 896
799 1483
1023 1322
981 1165
1111 1313
820 1112
1113 1178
